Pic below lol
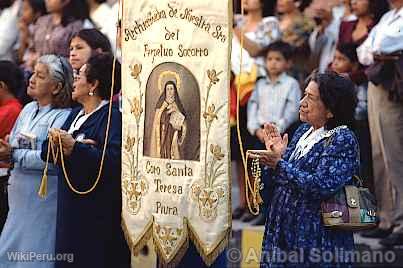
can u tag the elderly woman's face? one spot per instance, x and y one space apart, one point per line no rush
80 52
81 87
41 85
312 109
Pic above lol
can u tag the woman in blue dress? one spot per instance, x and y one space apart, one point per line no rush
89 225
31 221
322 157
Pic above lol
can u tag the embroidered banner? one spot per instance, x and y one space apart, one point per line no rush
175 173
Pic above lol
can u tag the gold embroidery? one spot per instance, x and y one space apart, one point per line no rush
205 193
168 238
134 185
135 70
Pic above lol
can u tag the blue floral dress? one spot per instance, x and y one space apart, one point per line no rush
294 235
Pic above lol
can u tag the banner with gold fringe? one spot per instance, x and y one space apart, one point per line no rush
176 153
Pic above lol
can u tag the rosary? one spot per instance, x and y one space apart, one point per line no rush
257 185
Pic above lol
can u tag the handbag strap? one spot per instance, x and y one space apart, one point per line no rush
353 203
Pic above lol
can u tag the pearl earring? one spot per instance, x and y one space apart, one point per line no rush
91 93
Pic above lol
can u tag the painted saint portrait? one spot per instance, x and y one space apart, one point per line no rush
172 125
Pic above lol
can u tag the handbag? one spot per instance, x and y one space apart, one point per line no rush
353 208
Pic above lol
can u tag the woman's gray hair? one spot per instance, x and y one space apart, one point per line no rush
61 72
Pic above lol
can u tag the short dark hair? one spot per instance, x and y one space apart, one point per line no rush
378 8
99 68
12 76
268 7
349 50
338 94
5 3
38 6
75 10
279 46
95 39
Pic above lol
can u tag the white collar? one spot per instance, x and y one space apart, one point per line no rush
398 13
309 139
81 117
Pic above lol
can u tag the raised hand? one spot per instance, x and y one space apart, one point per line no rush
271 135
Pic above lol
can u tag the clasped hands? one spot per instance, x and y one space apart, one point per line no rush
274 143
67 141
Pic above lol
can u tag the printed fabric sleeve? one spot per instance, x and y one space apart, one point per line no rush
336 167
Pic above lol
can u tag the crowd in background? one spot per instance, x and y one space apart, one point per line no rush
43 43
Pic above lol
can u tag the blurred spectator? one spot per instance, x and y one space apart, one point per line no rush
31 11
111 29
274 100
8 28
10 83
385 113
346 63
111 2
53 32
10 107
323 39
296 28
368 13
276 96
86 43
259 31
101 14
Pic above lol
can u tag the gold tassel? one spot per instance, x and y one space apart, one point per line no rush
43 189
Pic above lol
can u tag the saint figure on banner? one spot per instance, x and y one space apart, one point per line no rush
169 124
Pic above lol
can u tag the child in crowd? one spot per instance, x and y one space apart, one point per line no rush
345 62
276 96
275 99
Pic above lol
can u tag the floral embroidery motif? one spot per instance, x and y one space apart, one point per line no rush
168 238
134 185
205 192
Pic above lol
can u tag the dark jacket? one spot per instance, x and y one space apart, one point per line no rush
89 226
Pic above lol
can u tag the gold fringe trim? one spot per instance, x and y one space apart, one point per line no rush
178 255
136 246
210 256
